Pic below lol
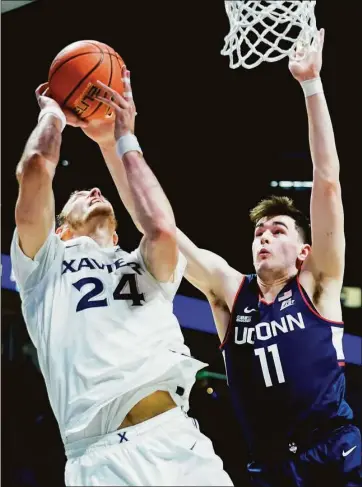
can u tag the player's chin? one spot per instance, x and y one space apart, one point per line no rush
263 264
100 209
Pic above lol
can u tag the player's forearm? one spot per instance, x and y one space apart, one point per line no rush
34 211
321 138
196 270
42 145
121 179
116 168
151 206
186 246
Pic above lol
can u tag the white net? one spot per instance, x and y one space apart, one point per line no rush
268 31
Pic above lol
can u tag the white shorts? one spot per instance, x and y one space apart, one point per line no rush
168 449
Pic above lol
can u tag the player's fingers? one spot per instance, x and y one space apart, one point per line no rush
128 95
109 102
73 119
295 53
47 93
321 38
126 78
300 49
120 101
41 89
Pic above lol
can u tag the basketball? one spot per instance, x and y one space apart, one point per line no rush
73 75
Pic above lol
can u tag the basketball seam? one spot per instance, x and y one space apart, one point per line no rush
69 59
118 57
77 55
94 44
109 84
111 52
84 78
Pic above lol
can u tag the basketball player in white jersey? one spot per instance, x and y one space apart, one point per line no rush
111 351
281 328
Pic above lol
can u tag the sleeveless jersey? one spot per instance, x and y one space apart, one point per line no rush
103 327
284 366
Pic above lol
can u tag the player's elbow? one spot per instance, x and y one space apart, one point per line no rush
34 201
327 183
331 189
163 231
33 165
327 179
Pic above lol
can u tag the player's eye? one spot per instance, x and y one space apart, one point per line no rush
78 195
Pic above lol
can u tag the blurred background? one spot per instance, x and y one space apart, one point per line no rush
217 139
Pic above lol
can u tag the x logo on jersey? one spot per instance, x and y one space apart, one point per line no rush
122 437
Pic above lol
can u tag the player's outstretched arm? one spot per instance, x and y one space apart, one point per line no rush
207 271
34 211
147 203
327 220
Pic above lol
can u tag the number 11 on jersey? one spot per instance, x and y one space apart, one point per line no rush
260 352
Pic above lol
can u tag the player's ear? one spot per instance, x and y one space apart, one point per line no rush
64 232
115 238
303 254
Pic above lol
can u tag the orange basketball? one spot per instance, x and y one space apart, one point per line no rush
74 72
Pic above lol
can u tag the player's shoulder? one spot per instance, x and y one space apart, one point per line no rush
29 273
51 249
137 254
136 260
239 282
230 274
248 279
230 282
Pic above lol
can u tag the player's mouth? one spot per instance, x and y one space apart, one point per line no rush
95 200
263 252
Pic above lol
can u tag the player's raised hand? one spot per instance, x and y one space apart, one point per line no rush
102 132
310 63
42 96
45 100
123 106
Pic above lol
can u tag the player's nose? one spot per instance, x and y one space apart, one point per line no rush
95 192
265 239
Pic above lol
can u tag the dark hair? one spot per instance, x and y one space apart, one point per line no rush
282 205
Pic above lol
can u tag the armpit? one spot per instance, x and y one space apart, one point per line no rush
217 301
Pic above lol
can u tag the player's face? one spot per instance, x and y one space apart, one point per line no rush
277 245
85 205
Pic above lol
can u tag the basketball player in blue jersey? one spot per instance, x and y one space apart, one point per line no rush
281 328
117 371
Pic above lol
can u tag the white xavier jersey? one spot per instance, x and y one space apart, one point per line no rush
103 327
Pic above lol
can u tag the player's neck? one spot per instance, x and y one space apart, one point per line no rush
99 232
103 240
271 284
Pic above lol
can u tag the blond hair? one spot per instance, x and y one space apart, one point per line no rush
62 218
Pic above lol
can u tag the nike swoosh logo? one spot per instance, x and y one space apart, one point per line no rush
345 453
247 310
193 446
70 246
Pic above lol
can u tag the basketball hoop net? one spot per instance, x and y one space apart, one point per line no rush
268 31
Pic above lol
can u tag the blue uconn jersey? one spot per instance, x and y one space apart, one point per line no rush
283 363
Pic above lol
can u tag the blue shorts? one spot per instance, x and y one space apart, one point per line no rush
333 462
